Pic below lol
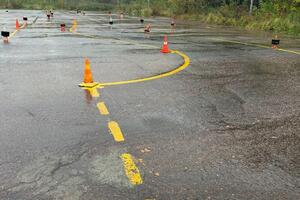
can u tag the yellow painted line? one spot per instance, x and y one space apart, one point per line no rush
24 26
13 34
93 91
116 131
289 51
256 45
131 170
178 35
172 72
185 64
102 108
17 30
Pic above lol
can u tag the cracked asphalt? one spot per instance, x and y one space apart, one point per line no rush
227 127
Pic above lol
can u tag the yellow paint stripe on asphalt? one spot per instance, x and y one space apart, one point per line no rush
131 170
231 41
102 108
116 131
256 45
93 91
13 34
289 51
185 64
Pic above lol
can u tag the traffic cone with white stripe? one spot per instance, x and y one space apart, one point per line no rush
165 48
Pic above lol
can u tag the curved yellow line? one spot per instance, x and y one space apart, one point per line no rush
185 64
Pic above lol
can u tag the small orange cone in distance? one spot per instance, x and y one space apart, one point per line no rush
165 48
88 77
17 24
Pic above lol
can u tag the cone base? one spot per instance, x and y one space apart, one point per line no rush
88 85
165 51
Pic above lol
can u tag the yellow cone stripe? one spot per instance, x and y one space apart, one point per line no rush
115 130
131 170
102 108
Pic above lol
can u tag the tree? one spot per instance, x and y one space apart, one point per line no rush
251 7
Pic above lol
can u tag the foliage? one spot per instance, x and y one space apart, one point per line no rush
273 15
58 4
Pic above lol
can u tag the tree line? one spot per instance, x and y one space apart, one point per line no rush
273 15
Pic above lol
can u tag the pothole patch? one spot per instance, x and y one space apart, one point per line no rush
108 169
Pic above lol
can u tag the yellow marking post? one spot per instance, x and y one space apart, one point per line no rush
116 131
102 108
131 170
185 64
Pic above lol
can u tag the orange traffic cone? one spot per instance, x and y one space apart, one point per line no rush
88 77
17 24
165 48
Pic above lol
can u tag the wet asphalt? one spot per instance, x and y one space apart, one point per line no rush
227 127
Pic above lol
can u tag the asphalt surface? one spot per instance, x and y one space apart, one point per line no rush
226 127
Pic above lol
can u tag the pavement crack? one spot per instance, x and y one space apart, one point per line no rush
61 163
